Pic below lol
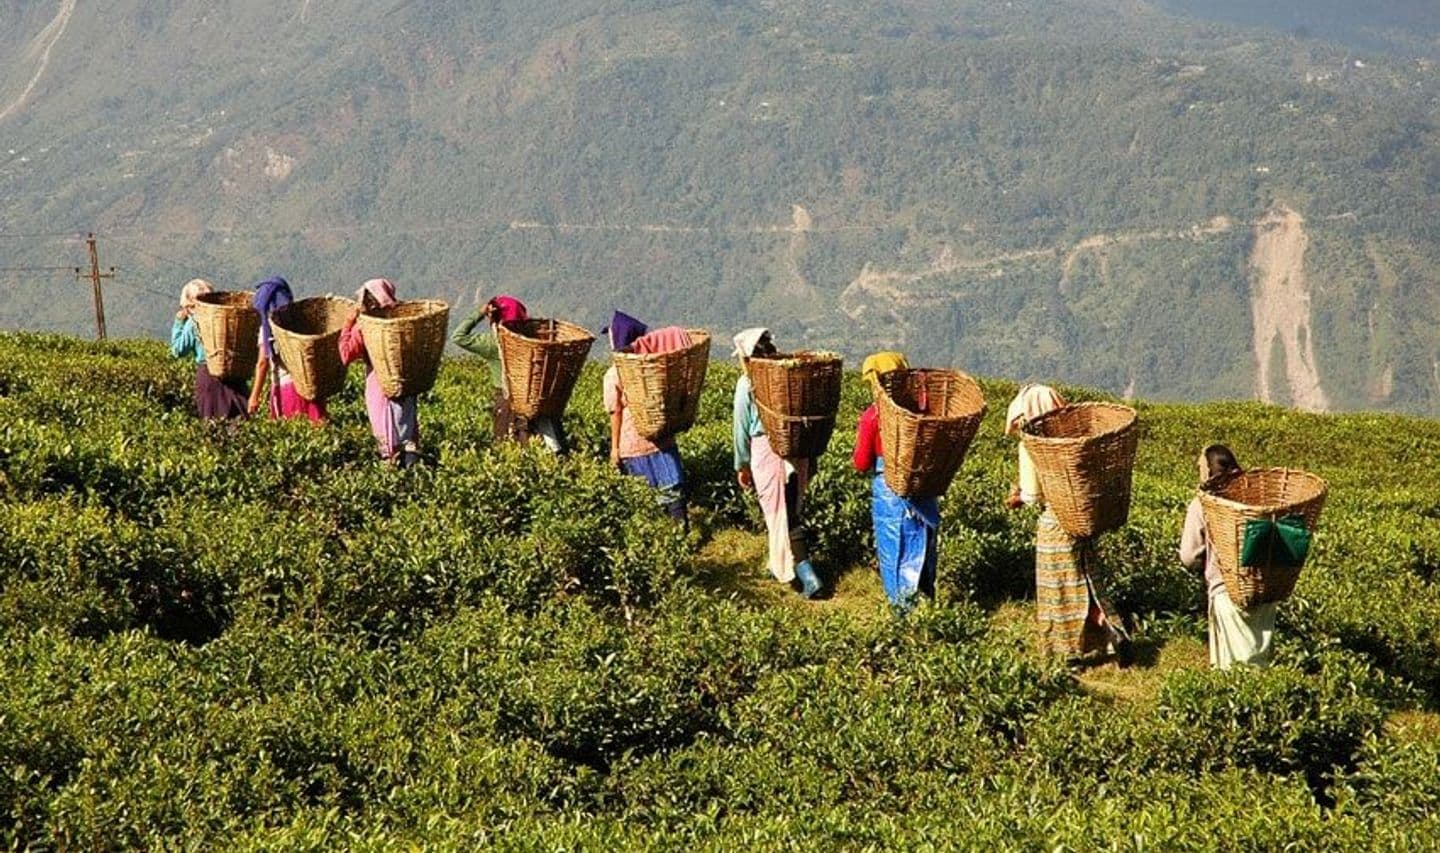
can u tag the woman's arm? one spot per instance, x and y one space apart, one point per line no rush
740 425
1192 537
183 335
352 342
867 438
257 389
471 339
615 405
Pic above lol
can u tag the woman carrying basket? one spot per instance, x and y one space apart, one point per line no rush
1073 617
658 461
906 529
215 399
271 295
482 341
1236 635
779 483
394 421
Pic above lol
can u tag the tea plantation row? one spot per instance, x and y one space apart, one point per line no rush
254 635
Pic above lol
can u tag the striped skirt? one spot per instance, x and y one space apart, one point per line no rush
1068 605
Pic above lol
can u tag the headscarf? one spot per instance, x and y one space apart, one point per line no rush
192 289
271 295
1032 402
746 341
508 309
883 362
623 330
380 290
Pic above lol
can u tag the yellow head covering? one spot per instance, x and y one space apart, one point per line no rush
883 362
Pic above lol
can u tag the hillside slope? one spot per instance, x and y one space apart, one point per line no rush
1026 189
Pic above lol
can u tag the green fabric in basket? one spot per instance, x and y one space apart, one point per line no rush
1282 543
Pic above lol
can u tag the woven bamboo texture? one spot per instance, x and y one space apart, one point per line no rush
229 330
927 420
798 395
307 337
405 342
1269 494
542 360
1084 455
662 390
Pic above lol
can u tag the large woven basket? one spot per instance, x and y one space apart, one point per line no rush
230 332
927 420
662 390
1267 494
1084 455
405 342
798 395
307 337
542 360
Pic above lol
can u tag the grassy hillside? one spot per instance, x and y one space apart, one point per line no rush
1071 189
256 636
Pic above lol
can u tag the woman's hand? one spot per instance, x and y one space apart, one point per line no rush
1012 500
615 456
354 315
182 314
253 406
745 479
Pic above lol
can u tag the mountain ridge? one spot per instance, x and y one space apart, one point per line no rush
590 155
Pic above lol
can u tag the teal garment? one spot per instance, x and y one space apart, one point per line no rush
185 340
481 342
746 422
1282 543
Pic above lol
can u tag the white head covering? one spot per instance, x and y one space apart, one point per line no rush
746 341
380 289
193 288
1032 402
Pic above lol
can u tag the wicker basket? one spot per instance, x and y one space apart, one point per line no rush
405 342
924 447
229 331
1263 494
662 390
1084 455
542 360
797 395
307 337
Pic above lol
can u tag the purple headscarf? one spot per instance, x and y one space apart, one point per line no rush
271 294
623 330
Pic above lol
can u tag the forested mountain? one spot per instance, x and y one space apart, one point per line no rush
1170 198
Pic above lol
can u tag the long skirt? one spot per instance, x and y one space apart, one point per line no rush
906 535
1239 636
286 402
662 470
393 421
780 486
219 399
1069 605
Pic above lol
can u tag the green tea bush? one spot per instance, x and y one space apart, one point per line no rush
255 635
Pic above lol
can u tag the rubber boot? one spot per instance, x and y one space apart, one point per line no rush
810 582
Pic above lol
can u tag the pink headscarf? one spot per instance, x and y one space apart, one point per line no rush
508 309
380 290
1032 402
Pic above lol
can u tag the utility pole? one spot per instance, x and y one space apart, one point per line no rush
95 275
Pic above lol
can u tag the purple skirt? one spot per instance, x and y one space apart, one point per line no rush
219 399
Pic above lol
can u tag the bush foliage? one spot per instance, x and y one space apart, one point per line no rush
254 635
